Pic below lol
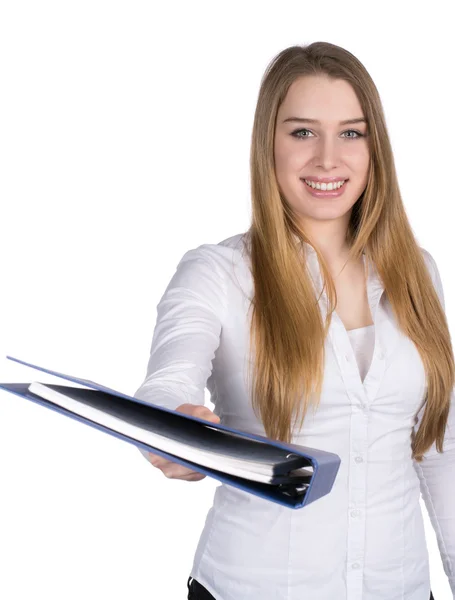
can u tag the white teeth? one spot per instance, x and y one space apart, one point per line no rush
325 186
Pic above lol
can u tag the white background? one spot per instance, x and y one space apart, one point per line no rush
124 142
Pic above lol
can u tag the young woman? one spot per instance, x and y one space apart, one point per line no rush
323 325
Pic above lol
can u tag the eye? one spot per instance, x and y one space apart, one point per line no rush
298 131
358 134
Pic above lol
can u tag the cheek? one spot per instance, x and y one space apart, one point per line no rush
364 167
359 158
288 161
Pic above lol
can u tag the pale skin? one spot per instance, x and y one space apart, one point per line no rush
323 149
326 148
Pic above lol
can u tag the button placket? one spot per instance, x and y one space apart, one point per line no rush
357 502
360 396
359 448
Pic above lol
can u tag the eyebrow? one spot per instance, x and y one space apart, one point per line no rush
303 120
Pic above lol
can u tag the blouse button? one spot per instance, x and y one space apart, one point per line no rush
358 459
355 566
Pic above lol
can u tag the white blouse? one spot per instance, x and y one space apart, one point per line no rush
365 540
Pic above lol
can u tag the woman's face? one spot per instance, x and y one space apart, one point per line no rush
323 149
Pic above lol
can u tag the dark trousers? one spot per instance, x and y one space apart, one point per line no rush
196 591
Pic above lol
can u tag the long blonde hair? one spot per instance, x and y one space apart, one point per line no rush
287 330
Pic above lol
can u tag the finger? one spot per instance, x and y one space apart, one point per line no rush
214 419
170 468
175 471
202 412
199 411
153 458
158 461
193 477
209 417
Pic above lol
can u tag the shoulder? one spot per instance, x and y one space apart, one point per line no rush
431 263
223 255
429 260
207 272
434 273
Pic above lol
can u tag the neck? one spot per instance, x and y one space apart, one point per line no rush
330 239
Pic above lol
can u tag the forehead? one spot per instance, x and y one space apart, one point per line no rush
320 97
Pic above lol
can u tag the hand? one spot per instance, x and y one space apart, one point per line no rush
171 469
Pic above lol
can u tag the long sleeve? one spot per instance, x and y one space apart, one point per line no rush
187 332
437 476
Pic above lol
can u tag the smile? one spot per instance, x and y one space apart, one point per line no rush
325 186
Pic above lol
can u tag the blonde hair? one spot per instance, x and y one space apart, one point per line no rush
287 331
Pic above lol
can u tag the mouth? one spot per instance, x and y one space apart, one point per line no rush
325 190
326 186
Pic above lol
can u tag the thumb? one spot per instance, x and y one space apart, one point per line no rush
202 412
212 417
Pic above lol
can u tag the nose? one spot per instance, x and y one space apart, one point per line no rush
326 153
